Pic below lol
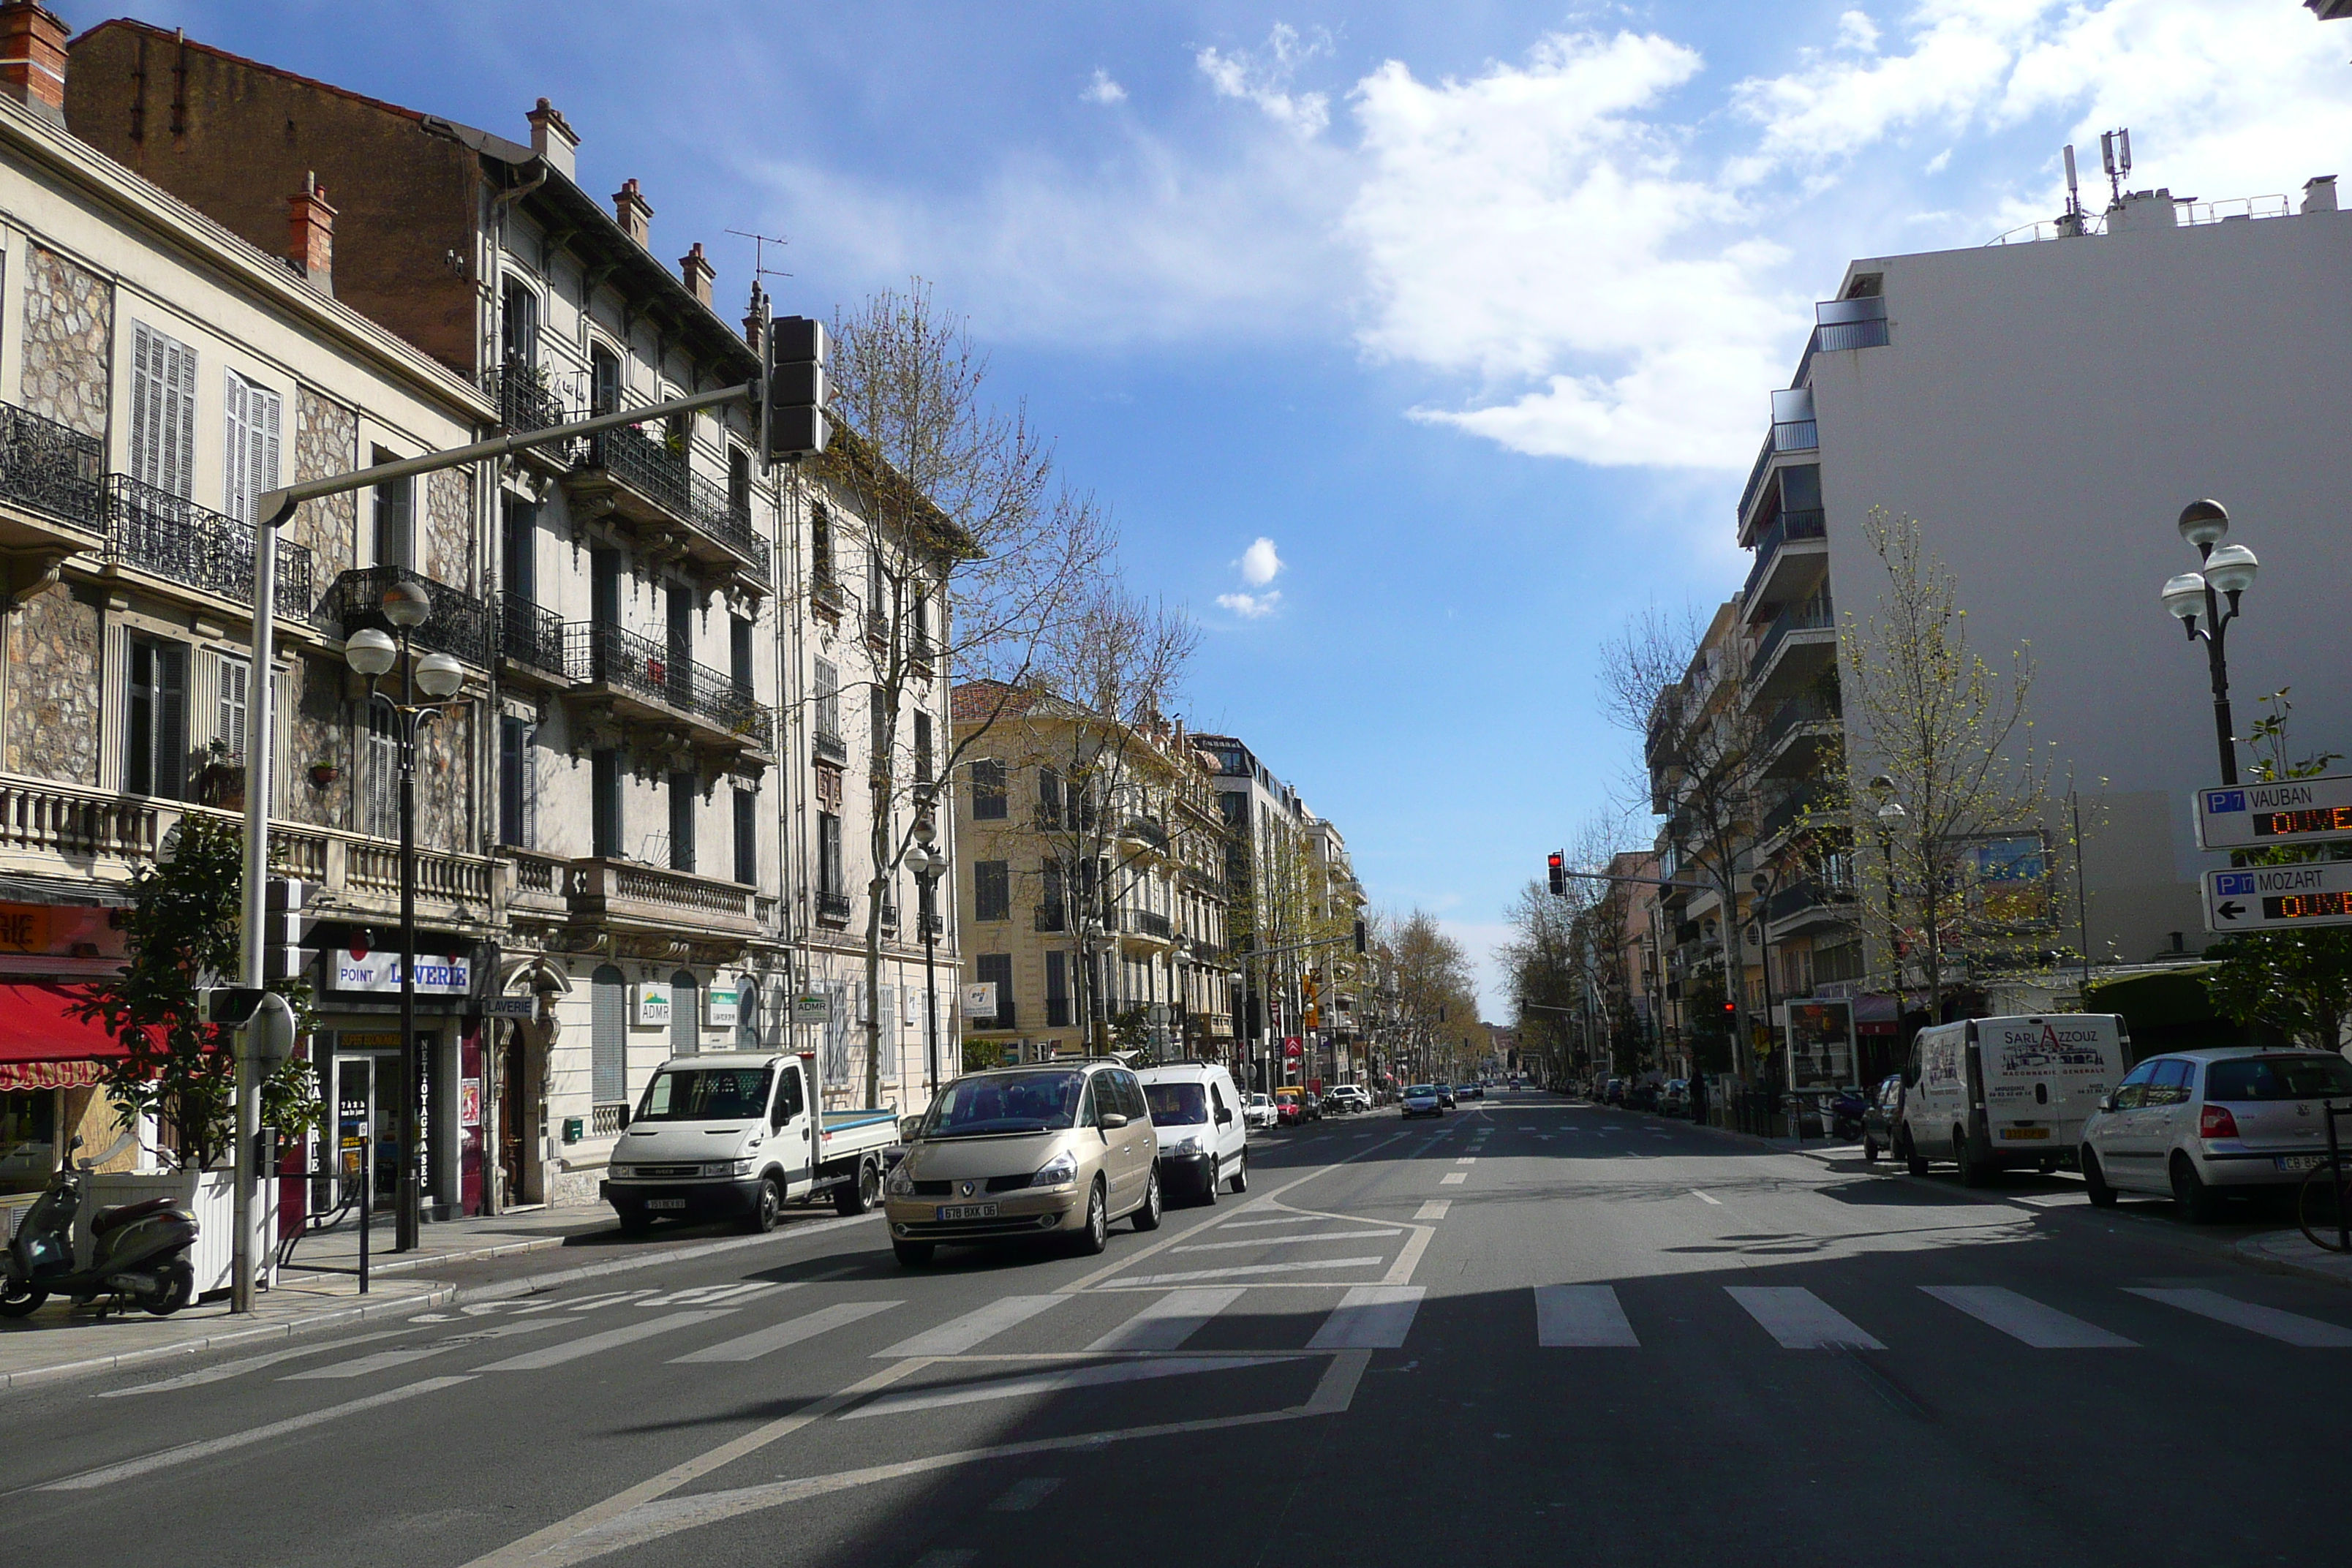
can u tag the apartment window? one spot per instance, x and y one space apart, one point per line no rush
877 584
922 609
1050 896
988 791
603 380
684 1014
922 747
820 547
232 700
828 856
608 1036
155 753
1049 798
518 323
396 535
514 783
163 411
249 451
828 700
739 481
1057 990
877 710
746 836
518 560
738 653
605 586
380 770
992 891
996 968
605 789
682 790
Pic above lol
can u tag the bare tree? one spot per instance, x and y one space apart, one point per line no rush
976 556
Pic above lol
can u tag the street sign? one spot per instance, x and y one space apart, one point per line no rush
523 1007
815 1007
2292 811
2272 897
1290 1047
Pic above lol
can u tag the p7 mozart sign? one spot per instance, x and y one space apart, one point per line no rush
2274 898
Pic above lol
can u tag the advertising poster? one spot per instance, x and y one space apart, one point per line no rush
1821 1044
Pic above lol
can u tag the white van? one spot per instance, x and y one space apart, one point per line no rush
1203 1132
1989 1093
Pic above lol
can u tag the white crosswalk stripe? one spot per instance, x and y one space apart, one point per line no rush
384 1361
1286 1240
2024 1319
610 1339
2269 1321
1167 1322
1369 1318
1582 1317
1799 1319
960 1334
791 1331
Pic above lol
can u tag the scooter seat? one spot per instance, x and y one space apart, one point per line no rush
117 1218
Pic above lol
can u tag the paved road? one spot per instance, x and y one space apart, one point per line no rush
1535 1332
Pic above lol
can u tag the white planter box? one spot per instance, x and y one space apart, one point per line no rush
211 1197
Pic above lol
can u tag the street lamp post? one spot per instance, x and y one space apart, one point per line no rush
1761 882
926 863
1891 817
372 654
2229 571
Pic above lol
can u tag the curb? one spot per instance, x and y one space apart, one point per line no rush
2243 1250
433 1295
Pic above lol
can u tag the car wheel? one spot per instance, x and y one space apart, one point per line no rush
1097 1234
767 1208
1215 1180
1148 1216
1241 1177
857 1196
1975 1172
1913 1160
2094 1182
2190 1195
912 1254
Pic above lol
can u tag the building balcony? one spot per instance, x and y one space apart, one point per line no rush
1807 907
1792 555
52 486
832 910
1843 324
1794 737
889 918
460 624
525 401
1147 830
639 481
173 539
1800 644
1143 922
530 640
636 681
1795 810
624 896
829 747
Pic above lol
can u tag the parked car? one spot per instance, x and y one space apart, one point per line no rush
1314 1106
1674 1098
1203 1143
1477 1091
2201 1126
1878 1121
1445 1095
1422 1099
1044 1150
1643 1097
1261 1113
1290 1107
1612 1092
1987 1093
1347 1099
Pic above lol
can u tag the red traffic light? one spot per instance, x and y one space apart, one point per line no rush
1557 862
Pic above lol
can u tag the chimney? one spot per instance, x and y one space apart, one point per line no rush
552 138
2319 195
629 207
751 316
33 58
695 270
311 234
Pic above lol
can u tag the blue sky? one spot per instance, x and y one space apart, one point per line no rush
1472 311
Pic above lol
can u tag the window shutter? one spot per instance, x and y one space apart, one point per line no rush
608 1031
163 411
231 700
181 409
172 721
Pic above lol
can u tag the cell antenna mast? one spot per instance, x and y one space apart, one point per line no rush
759 243
2115 151
2073 222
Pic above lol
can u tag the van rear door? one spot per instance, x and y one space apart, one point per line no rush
2045 1075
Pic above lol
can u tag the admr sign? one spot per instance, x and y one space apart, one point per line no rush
2291 811
2275 898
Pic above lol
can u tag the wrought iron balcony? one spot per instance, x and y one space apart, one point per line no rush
649 478
1146 923
530 633
174 538
650 674
526 402
48 469
460 625
829 747
834 907
889 917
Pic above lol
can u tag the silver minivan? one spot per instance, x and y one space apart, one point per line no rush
2196 1126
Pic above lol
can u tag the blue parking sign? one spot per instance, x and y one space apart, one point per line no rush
2220 800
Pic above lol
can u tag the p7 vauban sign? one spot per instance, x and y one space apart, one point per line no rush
2292 811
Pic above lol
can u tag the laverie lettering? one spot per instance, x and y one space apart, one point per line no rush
437 976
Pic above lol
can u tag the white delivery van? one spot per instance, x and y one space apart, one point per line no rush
1203 1140
1989 1093
737 1134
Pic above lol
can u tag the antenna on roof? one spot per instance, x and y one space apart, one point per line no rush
2072 222
2115 151
759 243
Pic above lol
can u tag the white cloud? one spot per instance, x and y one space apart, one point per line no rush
1103 90
1263 77
1857 31
1251 606
1259 564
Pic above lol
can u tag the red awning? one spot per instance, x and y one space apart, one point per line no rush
44 1046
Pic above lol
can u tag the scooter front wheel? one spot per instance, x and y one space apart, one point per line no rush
175 1282
19 1299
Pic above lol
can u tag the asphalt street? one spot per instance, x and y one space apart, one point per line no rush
1535 1331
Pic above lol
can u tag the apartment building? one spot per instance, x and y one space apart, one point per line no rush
161 373
1096 894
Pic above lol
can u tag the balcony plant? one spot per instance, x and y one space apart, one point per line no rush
221 780
324 773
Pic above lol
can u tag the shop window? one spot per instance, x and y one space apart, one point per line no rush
684 1014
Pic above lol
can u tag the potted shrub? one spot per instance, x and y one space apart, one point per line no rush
324 773
221 780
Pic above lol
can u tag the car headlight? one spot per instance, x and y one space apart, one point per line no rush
726 1168
1195 1144
1058 1172
900 1184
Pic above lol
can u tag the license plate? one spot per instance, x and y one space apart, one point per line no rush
2301 1161
665 1202
967 1211
2025 1132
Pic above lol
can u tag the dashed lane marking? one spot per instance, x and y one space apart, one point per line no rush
1286 1240
1455 1180
791 1331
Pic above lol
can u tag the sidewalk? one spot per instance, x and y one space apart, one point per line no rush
321 1288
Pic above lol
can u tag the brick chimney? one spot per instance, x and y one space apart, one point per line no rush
311 234
552 138
695 270
751 316
629 207
33 58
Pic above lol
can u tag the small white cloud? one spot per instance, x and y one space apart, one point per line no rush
1103 90
1251 606
1939 162
1259 564
1857 31
1263 77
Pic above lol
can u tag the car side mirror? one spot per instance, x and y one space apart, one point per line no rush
1110 1122
2106 1102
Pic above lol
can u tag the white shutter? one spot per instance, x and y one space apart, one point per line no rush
163 411
232 700
250 450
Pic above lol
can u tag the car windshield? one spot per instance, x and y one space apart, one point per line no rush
1043 1101
1420 1091
705 1094
1177 1104
2314 1077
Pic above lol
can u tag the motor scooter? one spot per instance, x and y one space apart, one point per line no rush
1845 1114
139 1252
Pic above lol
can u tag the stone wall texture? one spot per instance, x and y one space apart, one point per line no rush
449 528
69 335
445 782
318 731
53 689
326 442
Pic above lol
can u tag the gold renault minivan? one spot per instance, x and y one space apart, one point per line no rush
1055 1149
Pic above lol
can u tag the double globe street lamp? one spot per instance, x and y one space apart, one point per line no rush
2195 596
372 654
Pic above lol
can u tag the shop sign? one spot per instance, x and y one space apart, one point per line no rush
816 1007
722 1002
24 928
15 1076
523 1007
437 976
650 1004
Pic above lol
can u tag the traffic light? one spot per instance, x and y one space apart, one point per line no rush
230 1006
281 927
1558 864
795 414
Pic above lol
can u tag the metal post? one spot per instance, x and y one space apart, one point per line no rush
930 993
258 725
411 1212
2217 661
2335 1176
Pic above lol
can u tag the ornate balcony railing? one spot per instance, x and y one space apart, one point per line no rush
530 633
174 538
1146 923
526 402
594 651
460 624
649 468
829 747
833 907
52 469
